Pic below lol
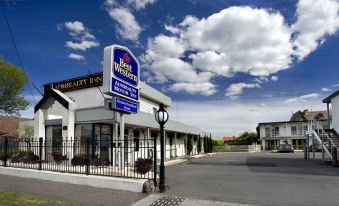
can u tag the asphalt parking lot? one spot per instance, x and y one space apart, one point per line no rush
256 178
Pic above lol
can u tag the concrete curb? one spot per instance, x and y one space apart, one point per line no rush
126 184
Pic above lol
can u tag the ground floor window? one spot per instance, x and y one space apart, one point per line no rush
299 144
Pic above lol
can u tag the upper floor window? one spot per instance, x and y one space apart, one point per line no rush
305 130
300 130
293 130
275 131
267 132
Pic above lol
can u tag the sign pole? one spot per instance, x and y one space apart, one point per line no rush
121 139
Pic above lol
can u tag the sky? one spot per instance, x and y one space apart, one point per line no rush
226 64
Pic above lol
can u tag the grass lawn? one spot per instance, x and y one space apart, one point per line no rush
19 199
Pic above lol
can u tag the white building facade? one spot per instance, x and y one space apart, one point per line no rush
273 134
73 111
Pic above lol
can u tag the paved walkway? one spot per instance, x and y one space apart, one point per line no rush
77 194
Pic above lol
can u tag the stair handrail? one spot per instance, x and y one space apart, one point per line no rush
327 136
324 147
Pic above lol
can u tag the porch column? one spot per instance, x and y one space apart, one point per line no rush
39 128
263 144
175 143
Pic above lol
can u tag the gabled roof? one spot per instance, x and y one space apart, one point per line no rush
329 98
50 96
308 115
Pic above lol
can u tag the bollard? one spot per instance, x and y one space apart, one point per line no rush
305 153
334 157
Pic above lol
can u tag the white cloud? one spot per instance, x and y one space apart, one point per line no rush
242 39
315 20
76 56
238 88
83 45
222 44
302 98
140 4
76 27
82 38
127 26
206 88
324 89
274 78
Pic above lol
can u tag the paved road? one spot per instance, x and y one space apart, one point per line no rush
78 194
256 178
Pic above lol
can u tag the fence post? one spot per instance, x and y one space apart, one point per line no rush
87 155
40 153
6 152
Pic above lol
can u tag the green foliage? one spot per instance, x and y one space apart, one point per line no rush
218 142
12 82
210 144
199 145
244 138
26 132
189 146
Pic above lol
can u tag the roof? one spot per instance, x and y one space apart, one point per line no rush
308 115
329 98
9 126
226 138
54 94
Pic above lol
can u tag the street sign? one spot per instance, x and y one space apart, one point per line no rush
121 74
123 105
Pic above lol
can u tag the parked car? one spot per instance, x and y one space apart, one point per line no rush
286 148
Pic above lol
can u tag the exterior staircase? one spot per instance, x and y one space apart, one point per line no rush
327 138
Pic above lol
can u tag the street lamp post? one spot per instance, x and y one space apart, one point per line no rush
161 116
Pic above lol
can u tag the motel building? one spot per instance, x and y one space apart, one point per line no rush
72 113
294 131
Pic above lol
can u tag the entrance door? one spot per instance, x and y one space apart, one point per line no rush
105 140
53 141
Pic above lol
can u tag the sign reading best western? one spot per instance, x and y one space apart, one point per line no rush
121 73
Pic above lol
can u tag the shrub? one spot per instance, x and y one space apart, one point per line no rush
101 161
79 160
143 165
199 145
59 158
189 146
27 157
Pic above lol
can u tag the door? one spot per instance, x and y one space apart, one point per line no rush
53 141
105 140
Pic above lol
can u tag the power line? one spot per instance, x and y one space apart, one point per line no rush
17 52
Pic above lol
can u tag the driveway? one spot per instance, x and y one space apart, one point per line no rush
256 178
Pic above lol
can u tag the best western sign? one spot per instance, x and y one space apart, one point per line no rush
121 73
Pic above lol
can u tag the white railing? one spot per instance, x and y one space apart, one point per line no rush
313 132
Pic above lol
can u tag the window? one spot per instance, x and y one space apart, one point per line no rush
275 131
267 132
300 130
293 130
305 129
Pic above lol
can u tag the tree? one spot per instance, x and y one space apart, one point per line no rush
26 133
199 145
189 146
245 138
210 144
12 82
205 144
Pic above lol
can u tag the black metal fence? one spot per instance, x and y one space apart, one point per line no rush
129 158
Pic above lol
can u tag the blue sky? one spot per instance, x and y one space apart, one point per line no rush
226 64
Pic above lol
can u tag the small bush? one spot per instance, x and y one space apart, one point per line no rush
101 161
27 157
79 160
143 165
59 158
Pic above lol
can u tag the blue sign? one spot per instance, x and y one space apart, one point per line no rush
125 105
125 90
125 66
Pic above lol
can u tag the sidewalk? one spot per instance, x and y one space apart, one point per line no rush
76 194
157 199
